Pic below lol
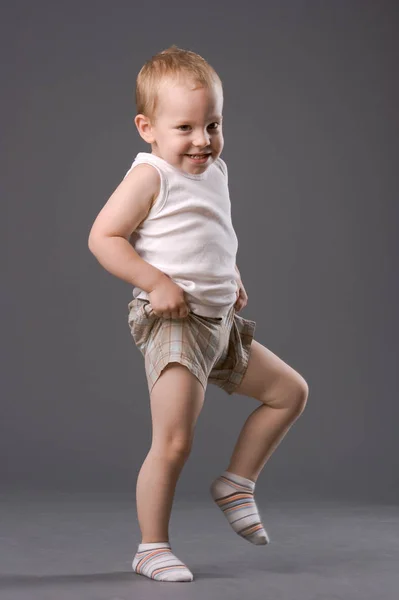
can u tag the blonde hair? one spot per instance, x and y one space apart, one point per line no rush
176 64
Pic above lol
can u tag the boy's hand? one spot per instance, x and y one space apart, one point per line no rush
242 297
167 300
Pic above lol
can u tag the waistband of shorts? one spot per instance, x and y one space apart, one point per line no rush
211 311
201 310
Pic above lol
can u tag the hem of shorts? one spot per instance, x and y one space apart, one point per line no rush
231 386
162 362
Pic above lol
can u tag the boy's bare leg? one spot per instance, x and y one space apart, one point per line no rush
176 402
283 395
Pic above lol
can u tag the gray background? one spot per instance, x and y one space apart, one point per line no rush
311 142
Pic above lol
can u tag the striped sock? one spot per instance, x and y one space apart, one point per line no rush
234 495
157 561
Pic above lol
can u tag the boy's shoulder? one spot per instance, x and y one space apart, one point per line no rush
154 178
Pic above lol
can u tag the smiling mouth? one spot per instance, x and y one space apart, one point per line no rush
202 155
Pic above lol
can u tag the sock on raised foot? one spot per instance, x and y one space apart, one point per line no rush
234 495
157 561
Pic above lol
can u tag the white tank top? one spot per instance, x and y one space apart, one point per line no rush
188 234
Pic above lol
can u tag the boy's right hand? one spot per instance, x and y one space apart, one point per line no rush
167 300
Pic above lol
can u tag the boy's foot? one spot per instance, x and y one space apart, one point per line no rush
234 495
157 561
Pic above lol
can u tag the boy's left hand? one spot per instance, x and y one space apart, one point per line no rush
242 297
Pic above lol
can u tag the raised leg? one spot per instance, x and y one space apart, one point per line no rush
283 395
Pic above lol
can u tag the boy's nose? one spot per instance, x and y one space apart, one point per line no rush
202 142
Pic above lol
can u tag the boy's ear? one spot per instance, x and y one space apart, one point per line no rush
144 128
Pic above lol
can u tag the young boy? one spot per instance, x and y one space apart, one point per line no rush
167 230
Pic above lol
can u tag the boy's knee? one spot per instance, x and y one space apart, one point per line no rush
181 447
302 393
175 449
293 393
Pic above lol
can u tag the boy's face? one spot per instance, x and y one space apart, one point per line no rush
188 121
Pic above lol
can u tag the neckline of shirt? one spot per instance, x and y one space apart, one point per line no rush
179 171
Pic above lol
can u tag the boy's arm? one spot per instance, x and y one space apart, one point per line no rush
124 211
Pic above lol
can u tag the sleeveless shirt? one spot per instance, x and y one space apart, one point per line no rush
188 234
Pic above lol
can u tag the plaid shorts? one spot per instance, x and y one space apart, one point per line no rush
214 349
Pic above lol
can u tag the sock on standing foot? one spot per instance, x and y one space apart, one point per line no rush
157 561
234 495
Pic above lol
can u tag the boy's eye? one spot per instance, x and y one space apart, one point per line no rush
217 125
